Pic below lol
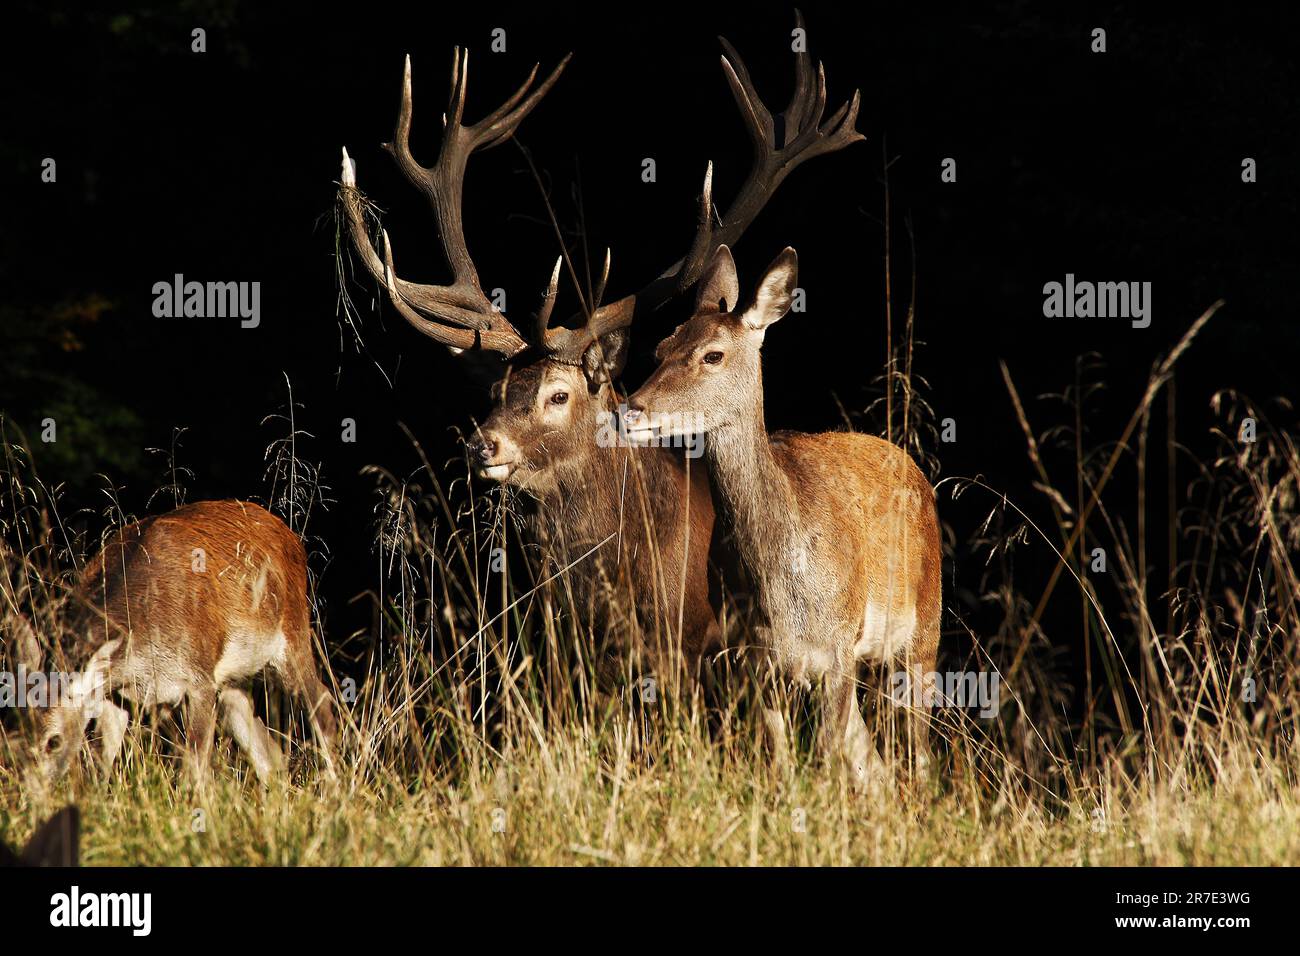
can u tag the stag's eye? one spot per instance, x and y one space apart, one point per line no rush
54 744
712 358
559 398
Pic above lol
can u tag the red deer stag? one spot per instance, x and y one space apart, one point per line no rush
838 530
653 512
186 608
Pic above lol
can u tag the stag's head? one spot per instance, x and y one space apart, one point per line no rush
710 372
546 417
555 385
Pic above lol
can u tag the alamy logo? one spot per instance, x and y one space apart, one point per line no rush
671 431
208 300
74 908
955 689
1098 300
40 689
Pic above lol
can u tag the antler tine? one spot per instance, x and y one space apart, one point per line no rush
803 136
558 340
456 339
604 278
511 101
453 91
425 298
837 133
803 76
400 147
818 106
568 345
757 118
703 243
459 86
548 301
459 314
500 124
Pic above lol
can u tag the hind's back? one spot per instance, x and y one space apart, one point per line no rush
197 576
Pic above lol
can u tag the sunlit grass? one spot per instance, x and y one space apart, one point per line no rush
486 725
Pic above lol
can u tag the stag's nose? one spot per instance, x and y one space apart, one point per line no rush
484 448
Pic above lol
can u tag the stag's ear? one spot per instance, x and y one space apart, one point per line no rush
775 291
605 358
718 289
55 842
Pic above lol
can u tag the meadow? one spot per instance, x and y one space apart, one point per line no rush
486 723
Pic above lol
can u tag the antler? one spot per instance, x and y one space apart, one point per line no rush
458 315
802 135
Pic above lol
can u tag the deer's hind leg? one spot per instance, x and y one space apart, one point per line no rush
297 670
920 680
922 657
921 664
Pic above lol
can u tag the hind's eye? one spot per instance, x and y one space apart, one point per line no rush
54 743
712 358
559 398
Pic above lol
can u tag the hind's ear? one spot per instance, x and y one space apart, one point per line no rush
18 637
55 842
29 651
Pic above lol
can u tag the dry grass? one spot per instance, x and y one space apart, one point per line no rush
480 733
578 807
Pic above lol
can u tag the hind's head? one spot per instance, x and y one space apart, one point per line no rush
58 707
56 736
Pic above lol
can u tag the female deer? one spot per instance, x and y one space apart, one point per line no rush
838 530
185 608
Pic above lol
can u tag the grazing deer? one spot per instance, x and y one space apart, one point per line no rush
186 608
650 509
55 843
838 530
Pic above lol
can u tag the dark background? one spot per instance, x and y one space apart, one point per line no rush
1124 166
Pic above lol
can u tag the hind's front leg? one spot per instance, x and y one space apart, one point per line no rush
112 722
200 726
773 725
843 732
